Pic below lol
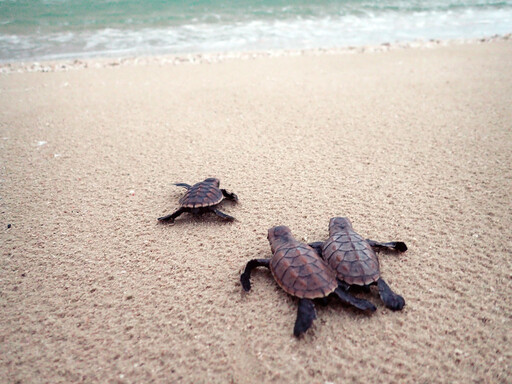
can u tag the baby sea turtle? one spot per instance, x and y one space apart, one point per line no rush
355 260
300 271
200 198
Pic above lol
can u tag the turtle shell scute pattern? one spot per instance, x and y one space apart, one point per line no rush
201 195
299 271
352 257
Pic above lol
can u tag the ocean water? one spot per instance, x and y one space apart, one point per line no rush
64 29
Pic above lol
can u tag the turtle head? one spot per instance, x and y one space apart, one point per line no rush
212 180
278 235
338 224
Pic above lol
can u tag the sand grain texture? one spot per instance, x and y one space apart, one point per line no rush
412 145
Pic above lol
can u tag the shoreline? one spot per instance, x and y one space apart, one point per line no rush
218 57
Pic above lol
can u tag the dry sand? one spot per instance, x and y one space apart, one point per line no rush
411 144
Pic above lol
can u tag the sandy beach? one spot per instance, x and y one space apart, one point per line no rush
410 144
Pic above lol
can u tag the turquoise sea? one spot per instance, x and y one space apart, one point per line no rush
54 29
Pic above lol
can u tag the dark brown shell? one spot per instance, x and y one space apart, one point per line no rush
352 257
202 194
299 271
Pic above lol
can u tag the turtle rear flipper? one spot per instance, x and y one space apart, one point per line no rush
391 299
306 313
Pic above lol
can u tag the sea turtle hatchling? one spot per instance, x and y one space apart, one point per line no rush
202 197
300 271
355 261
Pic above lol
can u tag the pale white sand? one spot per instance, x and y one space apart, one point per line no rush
411 144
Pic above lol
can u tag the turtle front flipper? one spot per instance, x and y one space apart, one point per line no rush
223 215
229 195
391 299
306 313
170 218
184 185
361 304
245 278
392 245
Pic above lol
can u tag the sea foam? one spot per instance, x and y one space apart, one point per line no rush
267 28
